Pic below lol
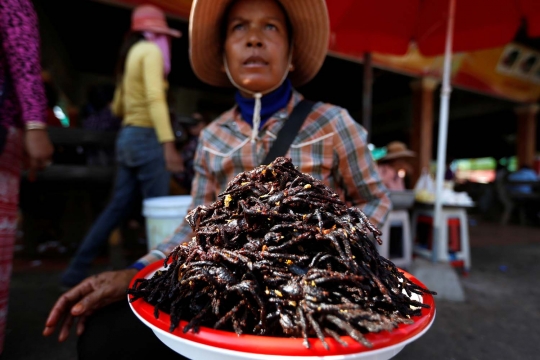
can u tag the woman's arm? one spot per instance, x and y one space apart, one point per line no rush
117 106
154 85
20 42
157 106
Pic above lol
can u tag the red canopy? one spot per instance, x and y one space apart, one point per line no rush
389 26
177 8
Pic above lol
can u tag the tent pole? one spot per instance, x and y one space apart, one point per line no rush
443 134
367 94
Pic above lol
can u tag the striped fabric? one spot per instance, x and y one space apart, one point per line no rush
10 175
330 146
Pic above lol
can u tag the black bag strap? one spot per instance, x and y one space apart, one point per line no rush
289 131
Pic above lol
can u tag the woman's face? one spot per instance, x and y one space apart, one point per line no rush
404 165
256 44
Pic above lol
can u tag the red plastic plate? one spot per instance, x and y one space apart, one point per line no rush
284 346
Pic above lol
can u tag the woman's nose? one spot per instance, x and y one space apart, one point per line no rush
254 40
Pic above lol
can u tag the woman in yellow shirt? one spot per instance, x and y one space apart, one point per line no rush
145 149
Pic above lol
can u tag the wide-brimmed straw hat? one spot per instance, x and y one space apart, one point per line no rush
310 27
397 150
151 18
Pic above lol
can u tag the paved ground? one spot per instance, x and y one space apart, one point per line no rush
498 320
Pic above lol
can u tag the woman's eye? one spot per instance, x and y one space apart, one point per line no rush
238 27
271 27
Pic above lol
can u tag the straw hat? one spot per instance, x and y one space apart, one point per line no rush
311 29
396 150
151 18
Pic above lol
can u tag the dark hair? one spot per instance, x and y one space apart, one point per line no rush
201 117
131 38
223 25
99 96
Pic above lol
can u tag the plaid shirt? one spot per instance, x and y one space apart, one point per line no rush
330 146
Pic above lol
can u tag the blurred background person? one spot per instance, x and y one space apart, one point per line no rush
524 173
145 146
98 116
395 167
22 106
98 113
525 192
493 194
193 125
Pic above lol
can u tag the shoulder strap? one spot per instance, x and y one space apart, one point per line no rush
289 131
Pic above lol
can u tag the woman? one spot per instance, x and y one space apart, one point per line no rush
22 121
266 47
396 165
193 124
145 146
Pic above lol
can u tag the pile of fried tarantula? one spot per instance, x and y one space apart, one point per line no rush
279 254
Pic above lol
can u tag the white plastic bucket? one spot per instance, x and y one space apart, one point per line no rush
163 215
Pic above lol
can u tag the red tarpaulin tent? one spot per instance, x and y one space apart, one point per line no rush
435 26
389 26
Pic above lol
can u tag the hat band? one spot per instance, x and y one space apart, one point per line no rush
148 23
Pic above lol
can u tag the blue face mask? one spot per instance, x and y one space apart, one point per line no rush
270 103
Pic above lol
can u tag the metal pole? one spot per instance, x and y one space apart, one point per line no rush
443 131
366 94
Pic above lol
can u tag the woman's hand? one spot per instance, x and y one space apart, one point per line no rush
173 159
92 294
39 148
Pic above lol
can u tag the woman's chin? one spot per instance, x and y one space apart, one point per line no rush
257 84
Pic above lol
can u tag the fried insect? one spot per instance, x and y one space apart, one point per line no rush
279 254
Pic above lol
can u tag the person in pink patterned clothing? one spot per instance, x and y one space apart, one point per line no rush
22 121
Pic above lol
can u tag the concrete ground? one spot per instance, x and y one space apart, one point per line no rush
498 319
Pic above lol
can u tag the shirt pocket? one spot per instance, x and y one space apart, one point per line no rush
226 157
225 149
315 155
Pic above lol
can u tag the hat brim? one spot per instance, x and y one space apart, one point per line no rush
399 154
161 30
311 31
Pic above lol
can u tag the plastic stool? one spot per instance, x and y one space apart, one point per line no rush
454 246
454 237
423 231
401 218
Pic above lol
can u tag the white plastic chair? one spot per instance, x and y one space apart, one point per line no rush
397 218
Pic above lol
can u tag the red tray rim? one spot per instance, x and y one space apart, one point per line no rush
284 346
